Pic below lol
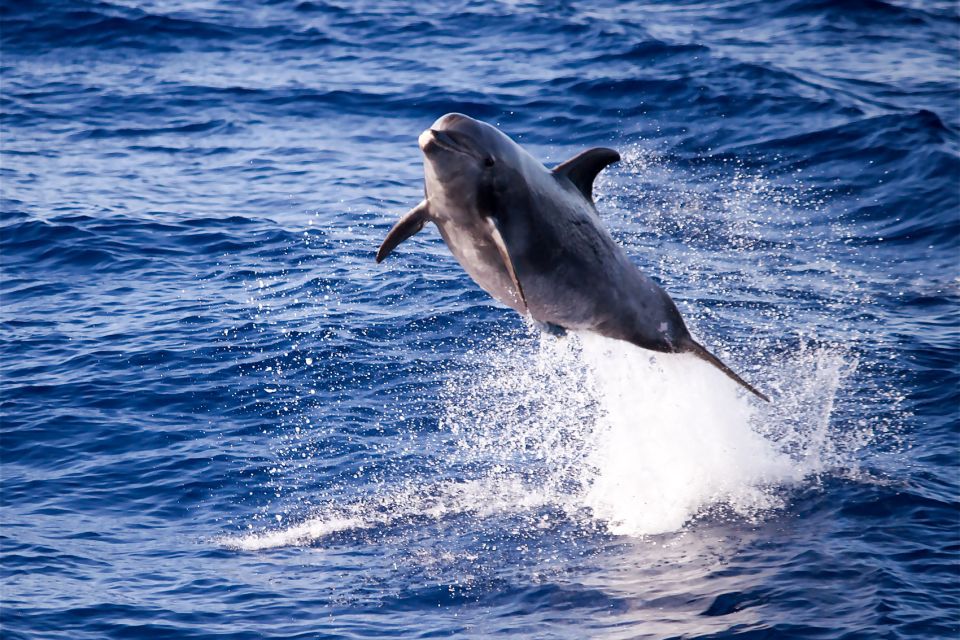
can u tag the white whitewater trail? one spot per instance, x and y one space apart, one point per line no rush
639 442
676 437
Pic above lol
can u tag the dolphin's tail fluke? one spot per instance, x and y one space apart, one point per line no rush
701 352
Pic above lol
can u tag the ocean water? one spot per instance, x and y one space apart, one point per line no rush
221 419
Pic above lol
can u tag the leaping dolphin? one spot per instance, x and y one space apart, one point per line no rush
532 239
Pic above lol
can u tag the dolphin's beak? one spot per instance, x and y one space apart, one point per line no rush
425 138
443 140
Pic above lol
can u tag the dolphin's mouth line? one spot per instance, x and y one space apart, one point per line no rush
445 141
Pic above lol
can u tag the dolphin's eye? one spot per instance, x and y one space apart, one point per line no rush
489 161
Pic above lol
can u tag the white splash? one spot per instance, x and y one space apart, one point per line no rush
638 442
643 442
674 438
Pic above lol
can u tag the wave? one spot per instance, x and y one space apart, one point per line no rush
117 243
31 26
865 13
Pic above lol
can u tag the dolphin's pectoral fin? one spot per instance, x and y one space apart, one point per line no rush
583 168
409 224
497 238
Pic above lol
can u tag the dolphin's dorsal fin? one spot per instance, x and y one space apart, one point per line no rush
409 224
583 168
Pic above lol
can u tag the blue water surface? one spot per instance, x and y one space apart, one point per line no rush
221 419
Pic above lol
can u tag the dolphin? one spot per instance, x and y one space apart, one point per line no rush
531 238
